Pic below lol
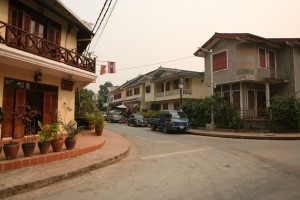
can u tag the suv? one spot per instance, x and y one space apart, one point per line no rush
114 116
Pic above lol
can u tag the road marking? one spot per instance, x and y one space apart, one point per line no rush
175 153
158 141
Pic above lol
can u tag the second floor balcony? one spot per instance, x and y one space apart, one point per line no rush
25 41
174 93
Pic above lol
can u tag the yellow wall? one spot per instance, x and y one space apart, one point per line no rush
28 75
3 14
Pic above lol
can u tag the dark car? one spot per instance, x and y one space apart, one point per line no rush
114 116
136 120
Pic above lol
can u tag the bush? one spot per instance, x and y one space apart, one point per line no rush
286 113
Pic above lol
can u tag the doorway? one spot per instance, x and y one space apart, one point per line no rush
17 94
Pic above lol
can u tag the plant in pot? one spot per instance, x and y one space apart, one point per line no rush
56 138
72 131
90 118
99 123
45 134
28 118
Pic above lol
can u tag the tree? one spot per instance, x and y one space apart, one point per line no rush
103 91
84 102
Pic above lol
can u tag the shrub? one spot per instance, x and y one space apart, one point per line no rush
286 113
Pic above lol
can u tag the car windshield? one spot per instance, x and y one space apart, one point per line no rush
115 113
139 116
178 114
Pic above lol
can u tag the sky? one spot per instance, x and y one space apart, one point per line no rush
146 32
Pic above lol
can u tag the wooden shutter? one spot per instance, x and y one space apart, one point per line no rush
262 58
54 108
25 27
20 102
272 64
8 108
47 108
220 61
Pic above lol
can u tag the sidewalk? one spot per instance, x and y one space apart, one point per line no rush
246 135
29 178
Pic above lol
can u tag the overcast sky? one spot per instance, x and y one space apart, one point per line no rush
144 32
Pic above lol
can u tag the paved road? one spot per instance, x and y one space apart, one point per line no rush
180 166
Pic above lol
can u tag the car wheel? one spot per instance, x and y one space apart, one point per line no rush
165 129
153 128
128 124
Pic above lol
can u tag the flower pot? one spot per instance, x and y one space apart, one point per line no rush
57 145
91 126
11 150
28 148
99 131
0 149
70 143
44 147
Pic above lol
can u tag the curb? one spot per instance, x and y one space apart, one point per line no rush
21 188
262 136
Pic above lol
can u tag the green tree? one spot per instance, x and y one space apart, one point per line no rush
103 91
84 102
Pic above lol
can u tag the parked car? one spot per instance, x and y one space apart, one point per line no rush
114 116
104 114
170 120
136 120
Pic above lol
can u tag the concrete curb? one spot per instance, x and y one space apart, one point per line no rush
260 136
29 186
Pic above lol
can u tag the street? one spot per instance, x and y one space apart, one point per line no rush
182 166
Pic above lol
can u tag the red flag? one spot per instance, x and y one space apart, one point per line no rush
102 69
111 67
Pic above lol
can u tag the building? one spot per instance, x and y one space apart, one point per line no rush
41 60
160 89
248 70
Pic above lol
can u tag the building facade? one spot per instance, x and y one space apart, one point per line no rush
249 70
41 61
160 89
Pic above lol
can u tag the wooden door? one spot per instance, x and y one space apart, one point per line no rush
8 108
20 101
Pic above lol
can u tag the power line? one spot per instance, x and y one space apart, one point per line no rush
153 63
98 38
100 15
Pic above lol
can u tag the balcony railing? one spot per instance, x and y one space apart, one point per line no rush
278 74
22 40
255 114
174 93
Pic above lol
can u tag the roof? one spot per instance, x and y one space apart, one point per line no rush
277 43
84 31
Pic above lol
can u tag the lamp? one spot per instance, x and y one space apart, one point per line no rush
38 75
180 85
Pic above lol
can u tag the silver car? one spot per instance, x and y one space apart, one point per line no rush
114 116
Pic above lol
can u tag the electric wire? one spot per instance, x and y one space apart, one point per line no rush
153 63
98 38
100 15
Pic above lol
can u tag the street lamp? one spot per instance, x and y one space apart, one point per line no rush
180 85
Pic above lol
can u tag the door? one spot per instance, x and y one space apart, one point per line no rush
47 108
8 109
272 64
20 101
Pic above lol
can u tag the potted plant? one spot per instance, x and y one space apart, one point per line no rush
45 134
99 123
90 118
72 131
11 150
28 118
56 138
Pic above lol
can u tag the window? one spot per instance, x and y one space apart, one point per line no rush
128 93
148 89
168 86
175 84
136 91
220 61
226 96
236 100
117 96
165 106
262 58
176 105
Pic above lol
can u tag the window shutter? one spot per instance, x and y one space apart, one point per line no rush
262 58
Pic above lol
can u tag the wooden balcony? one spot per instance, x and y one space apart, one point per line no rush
22 40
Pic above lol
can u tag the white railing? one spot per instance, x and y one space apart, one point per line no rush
174 93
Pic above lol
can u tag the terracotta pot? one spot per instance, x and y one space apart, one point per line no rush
99 132
11 150
44 147
70 143
91 126
57 145
28 148
0 149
